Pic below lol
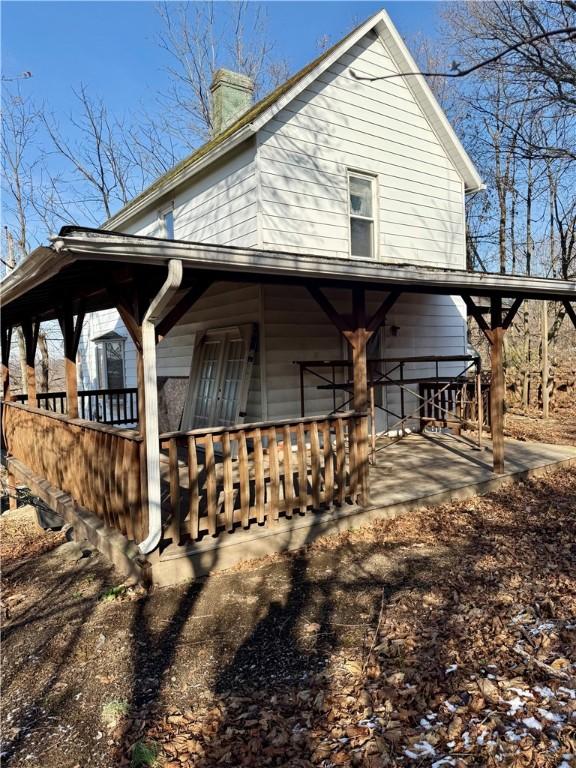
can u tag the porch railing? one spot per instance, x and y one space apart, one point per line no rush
106 406
225 478
98 465
453 403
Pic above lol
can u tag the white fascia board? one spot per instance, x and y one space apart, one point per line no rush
295 265
428 103
175 181
42 264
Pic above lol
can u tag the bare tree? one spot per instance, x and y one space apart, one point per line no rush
199 38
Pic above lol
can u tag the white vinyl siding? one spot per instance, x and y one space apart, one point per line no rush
297 329
216 207
224 305
338 123
96 324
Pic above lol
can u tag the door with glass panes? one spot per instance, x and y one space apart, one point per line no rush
219 380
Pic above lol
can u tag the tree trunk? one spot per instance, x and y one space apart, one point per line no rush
22 356
44 381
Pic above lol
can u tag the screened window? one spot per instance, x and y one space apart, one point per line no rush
110 363
361 192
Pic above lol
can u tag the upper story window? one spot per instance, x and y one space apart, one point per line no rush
167 219
361 189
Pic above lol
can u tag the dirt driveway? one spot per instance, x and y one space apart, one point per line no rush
443 638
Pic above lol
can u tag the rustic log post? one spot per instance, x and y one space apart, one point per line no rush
497 390
30 330
6 341
71 332
358 340
357 330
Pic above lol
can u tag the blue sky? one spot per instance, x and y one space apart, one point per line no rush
111 46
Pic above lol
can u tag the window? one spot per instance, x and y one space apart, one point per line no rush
361 193
110 361
167 219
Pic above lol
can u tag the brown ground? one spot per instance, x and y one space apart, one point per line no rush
393 645
560 428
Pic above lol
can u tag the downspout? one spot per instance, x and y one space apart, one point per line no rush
151 319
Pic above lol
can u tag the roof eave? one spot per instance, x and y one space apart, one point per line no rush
143 202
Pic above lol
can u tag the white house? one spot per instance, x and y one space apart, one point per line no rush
332 164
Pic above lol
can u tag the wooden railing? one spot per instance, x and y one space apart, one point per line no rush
225 478
98 465
453 402
106 406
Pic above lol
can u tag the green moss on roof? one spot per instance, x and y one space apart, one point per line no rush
245 119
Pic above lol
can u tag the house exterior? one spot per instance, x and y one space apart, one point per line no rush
331 165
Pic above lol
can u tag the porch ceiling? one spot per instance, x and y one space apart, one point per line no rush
82 265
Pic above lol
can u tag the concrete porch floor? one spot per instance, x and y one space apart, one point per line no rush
418 470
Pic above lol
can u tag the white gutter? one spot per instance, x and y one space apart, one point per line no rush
151 319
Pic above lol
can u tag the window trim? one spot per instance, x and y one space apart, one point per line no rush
162 213
373 178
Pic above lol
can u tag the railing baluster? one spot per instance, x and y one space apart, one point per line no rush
288 471
340 461
274 474
302 468
328 464
174 531
211 484
194 496
315 464
244 475
228 482
259 479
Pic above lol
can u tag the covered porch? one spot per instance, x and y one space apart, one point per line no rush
180 495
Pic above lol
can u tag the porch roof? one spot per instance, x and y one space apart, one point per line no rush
84 265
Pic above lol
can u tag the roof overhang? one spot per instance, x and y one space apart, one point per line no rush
80 258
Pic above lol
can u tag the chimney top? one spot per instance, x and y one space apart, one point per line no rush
231 97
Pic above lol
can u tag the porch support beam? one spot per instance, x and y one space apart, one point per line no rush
30 329
570 311
379 317
181 307
357 329
71 331
6 341
511 314
495 335
497 389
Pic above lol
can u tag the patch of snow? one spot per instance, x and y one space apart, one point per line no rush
449 706
544 691
515 705
421 749
568 691
511 736
551 716
531 722
466 739
425 724
450 744
451 668
521 692
443 761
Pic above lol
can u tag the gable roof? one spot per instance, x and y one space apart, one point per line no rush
263 111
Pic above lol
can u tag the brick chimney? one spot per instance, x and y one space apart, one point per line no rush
231 97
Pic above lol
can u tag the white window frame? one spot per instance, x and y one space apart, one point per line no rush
162 213
373 179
